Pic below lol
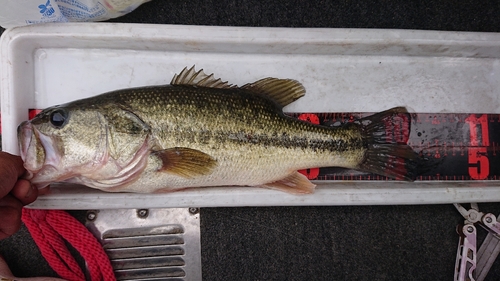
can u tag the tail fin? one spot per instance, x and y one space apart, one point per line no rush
385 135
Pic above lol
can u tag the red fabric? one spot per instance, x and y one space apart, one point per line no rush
48 229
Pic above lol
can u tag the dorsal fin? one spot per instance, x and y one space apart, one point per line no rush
282 91
198 78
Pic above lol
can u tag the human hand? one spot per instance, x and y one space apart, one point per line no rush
14 193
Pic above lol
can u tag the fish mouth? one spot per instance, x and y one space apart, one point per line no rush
31 149
37 152
24 134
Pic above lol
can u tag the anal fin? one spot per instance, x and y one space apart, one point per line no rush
295 183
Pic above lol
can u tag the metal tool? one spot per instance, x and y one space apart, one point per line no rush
473 265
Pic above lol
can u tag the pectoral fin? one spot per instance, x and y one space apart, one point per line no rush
186 162
295 183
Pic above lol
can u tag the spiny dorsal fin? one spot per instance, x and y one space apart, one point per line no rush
198 78
282 91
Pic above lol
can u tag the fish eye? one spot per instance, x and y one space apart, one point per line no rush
58 118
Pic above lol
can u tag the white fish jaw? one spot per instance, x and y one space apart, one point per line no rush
40 155
43 158
32 151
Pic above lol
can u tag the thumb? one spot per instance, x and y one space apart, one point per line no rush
11 168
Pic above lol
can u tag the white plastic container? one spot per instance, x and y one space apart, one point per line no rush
343 70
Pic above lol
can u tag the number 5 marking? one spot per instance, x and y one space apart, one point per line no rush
479 164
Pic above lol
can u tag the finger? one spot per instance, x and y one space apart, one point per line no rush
44 190
11 168
24 192
10 216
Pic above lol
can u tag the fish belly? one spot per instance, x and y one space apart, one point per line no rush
236 168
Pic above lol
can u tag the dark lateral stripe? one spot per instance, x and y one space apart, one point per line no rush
275 140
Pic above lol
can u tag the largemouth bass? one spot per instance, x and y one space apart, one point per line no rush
198 132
